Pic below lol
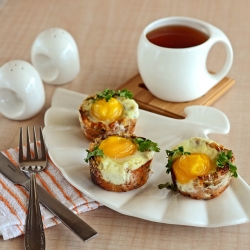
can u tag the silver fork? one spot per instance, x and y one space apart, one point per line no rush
34 233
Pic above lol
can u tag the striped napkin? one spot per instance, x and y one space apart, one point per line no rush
14 199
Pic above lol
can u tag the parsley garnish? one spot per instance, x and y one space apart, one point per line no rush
107 94
169 186
172 155
124 93
146 145
95 152
224 159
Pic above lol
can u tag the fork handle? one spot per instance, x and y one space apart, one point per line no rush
34 235
71 220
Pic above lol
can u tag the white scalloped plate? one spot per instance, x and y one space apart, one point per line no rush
67 149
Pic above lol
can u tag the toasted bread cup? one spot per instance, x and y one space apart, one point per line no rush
119 174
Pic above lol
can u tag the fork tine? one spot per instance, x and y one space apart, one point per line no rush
43 149
28 144
35 143
36 159
21 145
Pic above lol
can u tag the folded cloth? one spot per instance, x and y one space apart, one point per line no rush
14 198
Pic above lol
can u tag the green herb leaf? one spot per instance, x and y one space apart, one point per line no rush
95 152
107 94
224 159
124 93
168 185
146 145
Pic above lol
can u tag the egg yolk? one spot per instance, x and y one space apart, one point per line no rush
188 167
117 147
107 110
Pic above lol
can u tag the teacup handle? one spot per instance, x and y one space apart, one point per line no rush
217 36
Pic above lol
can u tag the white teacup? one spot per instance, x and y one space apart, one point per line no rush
21 90
54 54
180 74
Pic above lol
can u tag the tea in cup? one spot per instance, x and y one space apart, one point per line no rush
172 55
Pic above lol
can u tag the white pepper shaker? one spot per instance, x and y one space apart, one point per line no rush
55 55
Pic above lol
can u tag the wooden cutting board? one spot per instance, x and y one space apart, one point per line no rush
151 103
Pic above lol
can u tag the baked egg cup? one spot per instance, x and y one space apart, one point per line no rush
108 112
120 162
200 168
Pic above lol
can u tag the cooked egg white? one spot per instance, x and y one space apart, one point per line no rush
115 108
121 157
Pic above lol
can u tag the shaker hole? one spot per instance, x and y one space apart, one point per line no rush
46 67
11 104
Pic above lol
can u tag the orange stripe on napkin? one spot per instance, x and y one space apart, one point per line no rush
23 190
15 196
12 211
59 187
80 195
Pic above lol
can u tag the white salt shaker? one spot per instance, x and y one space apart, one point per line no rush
21 90
55 55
